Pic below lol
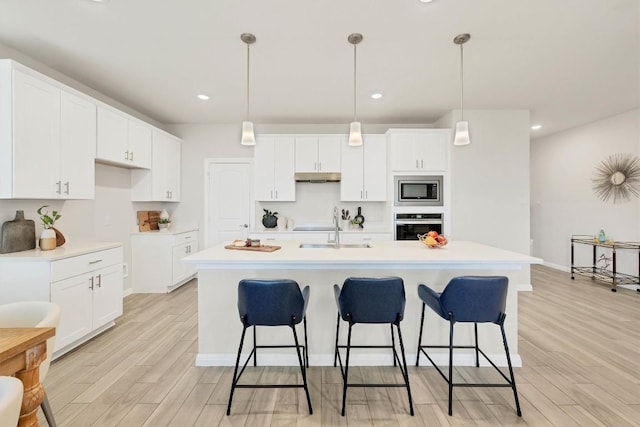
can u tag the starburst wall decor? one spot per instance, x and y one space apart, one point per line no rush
617 177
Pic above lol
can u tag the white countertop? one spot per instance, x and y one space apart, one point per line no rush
348 230
69 249
169 232
382 255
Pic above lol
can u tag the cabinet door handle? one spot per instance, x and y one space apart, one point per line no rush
99 280
422 164
315 166
319 166
361 194
186 250
91 283
276 194
66 185
59 190
366 194
95 262
126 155
131 156
271 196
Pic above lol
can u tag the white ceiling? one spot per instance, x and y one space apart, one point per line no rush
568 61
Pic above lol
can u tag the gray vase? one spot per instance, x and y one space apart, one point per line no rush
18 234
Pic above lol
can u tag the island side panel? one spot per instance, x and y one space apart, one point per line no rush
220 327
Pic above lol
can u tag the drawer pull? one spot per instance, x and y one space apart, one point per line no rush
187 237
95 262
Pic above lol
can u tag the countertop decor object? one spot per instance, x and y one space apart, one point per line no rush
148 220
617 177
359 219
48 238
263 248
18 235
269 219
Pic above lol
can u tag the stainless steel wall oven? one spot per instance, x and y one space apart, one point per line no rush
407 226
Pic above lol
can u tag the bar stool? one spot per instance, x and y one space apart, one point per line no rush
477 299
272 303
374 301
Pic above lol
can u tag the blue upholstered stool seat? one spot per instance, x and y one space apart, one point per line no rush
471 299
373 301
272 303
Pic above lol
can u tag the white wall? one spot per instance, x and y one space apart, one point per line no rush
562 200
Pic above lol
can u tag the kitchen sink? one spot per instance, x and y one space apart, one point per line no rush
332 245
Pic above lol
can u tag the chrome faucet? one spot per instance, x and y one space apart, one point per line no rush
336 222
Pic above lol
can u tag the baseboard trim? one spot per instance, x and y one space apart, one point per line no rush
525 287
557 267
127 292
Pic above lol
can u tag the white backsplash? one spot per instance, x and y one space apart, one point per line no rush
314 205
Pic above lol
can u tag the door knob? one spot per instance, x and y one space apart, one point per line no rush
245 225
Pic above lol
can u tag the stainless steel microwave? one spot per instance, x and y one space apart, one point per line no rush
418 190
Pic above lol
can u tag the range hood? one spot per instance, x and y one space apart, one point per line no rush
317 177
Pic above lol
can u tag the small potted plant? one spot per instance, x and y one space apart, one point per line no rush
163 223
269 219
48 235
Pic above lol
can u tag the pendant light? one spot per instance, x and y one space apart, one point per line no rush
462 127
248 137
355 130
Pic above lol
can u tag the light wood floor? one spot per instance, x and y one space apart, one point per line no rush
579 341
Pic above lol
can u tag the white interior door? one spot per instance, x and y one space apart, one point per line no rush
229 196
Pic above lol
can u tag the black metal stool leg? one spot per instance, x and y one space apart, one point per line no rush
255 345
234 380
306 343
303 369
346 372
420 336
405 371
450 365
513 380
475 331
48 412
335 353
393 345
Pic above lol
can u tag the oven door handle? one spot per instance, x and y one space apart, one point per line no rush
427 222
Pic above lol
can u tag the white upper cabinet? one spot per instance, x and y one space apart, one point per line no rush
424 150
162 182
274 168
122 140
364 171
78 147
45 129
317 153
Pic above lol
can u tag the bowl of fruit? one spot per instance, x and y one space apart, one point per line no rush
432 239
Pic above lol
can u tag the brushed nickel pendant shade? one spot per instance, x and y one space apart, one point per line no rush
462 127
248 136
355 129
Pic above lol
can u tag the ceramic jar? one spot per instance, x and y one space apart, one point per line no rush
48 239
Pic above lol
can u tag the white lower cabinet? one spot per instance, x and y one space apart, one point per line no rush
157 265
84 279
89 295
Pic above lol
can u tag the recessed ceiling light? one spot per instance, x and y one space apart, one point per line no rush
203 97
100 1
376 95
426 1
536 127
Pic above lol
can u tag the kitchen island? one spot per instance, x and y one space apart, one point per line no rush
220 270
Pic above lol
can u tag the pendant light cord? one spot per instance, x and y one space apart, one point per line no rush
354 82
248 59
461 83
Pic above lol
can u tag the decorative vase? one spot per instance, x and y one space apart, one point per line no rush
60 240
164 227
270 221
48 239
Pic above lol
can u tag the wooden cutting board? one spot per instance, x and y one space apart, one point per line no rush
148 220
264 248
